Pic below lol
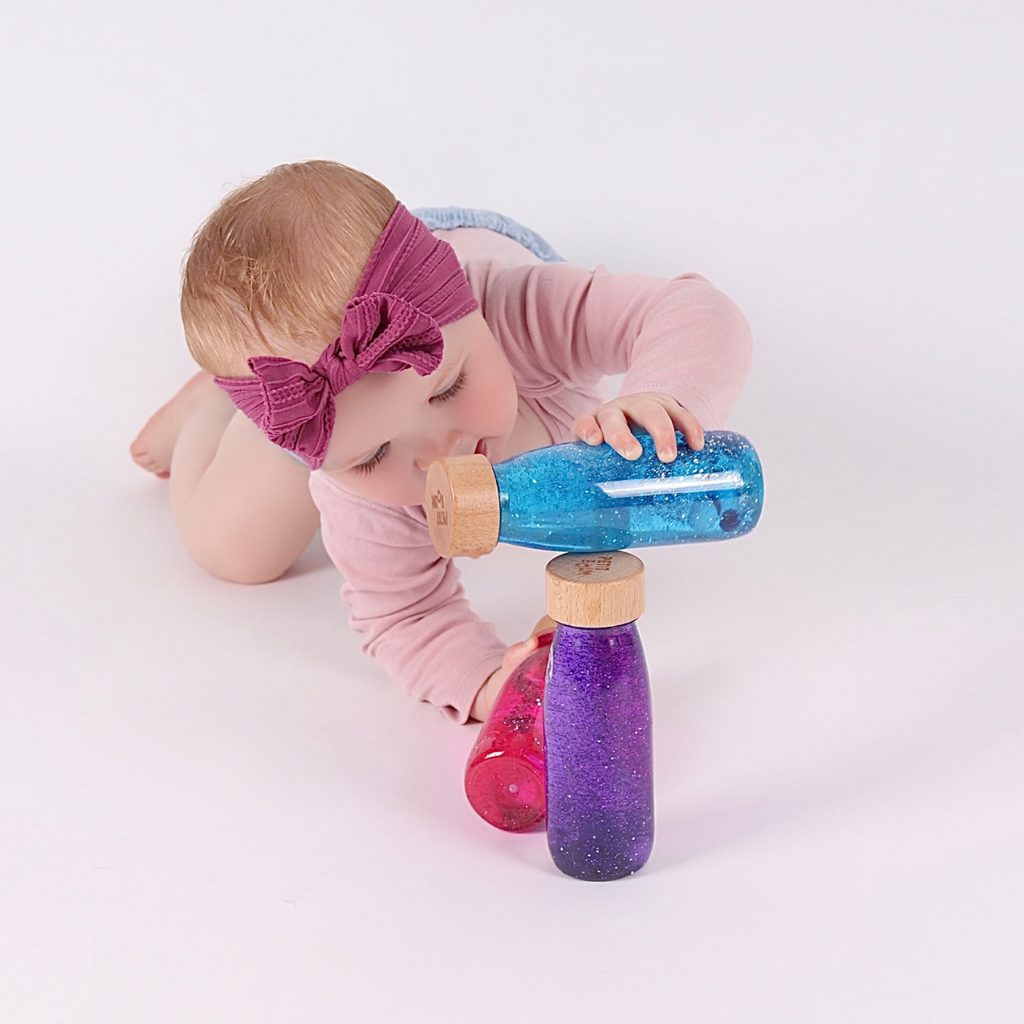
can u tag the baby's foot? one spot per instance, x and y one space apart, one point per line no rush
153 448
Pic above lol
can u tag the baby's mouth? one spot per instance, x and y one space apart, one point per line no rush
481 448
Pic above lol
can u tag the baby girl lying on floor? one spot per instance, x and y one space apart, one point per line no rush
345 346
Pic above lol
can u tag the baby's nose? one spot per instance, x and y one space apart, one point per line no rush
438 448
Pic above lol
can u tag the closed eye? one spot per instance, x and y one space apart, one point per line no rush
370 464
452 390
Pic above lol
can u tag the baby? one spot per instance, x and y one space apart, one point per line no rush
345 347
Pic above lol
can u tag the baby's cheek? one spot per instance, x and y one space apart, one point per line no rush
497 400
391 485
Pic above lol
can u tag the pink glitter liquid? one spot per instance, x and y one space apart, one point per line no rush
505 780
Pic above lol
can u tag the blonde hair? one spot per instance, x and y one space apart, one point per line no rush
271 270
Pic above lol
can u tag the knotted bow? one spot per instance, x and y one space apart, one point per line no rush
292 402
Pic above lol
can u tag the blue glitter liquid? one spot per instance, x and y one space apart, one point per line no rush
578 497
600 780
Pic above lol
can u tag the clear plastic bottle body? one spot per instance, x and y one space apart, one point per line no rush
580 498
505 774
600 781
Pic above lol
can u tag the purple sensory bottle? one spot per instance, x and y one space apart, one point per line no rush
597 718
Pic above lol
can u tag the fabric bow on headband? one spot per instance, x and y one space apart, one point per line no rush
292 403
411 287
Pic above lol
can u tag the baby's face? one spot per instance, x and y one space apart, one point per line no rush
389 427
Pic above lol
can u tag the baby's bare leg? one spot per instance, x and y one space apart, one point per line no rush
241 504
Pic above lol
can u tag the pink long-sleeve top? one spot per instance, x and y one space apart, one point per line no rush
563 329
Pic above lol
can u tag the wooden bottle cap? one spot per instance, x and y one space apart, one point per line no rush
593 591
462 506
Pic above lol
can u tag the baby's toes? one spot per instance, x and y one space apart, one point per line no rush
145 459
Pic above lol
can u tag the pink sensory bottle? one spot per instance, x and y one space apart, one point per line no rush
505 780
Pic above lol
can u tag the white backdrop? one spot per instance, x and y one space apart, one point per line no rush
214 809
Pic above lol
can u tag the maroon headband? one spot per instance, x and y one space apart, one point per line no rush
412 286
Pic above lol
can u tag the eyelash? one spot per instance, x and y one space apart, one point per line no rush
446 396
374 460
450 393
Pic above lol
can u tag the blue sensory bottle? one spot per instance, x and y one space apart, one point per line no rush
578 497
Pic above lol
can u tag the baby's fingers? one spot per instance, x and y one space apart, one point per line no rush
615 428
661 416
517 653
586 428
685 421
608 424
655 419
653 413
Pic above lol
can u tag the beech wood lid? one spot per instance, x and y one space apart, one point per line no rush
595 590
462 506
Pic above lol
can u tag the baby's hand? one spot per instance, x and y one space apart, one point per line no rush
514 657
660 415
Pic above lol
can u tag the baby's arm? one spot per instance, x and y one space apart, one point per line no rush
683 345
407 601
684 339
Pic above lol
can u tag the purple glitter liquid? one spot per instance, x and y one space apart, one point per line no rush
600 780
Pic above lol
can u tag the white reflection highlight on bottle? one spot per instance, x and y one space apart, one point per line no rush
698 483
